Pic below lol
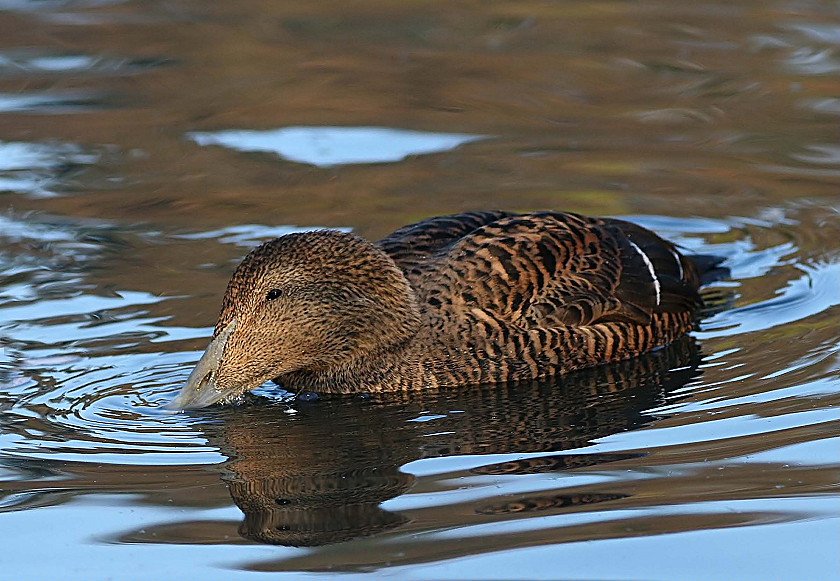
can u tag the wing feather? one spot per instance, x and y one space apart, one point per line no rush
545 269
415 243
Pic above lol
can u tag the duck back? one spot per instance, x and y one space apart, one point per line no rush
541 294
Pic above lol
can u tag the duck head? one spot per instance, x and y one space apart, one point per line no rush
313 302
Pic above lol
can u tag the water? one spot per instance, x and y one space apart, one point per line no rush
145 147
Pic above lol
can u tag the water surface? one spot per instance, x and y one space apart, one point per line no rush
145 147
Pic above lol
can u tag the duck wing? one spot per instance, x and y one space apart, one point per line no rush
413 244
552 269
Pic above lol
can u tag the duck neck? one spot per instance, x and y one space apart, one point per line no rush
385 370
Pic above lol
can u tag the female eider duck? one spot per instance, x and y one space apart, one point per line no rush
472 298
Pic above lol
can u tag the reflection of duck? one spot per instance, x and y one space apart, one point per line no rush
318 476
480 297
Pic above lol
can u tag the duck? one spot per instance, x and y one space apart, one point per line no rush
474 298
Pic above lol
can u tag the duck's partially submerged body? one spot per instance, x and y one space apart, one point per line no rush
478 297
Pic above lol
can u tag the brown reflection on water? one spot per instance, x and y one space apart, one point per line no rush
46 483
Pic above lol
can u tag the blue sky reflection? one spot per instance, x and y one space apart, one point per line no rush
330 146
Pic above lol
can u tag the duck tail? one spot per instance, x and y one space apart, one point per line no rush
709 267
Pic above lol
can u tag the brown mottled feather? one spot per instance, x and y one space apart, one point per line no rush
410 245
477 297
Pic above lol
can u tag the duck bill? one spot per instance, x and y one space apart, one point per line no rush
201 389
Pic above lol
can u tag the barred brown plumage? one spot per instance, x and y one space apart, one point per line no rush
477 297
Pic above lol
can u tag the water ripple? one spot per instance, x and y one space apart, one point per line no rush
81 371
53 102
36 168
43 62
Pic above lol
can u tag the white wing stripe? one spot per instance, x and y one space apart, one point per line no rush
679 262
649 265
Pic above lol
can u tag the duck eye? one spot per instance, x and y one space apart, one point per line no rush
273 294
